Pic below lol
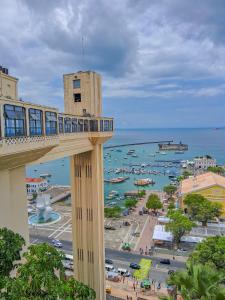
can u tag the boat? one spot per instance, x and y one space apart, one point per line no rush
134 155
118 150
152 155
179 152
44 175
162 153
116 180
144 182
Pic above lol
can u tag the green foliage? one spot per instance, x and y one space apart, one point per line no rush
10 246
218 170
179 225
169 189
40 276
130 202
112 212
186 174
141 193
210 252
34 195
171 206
154 202
201 209
199 282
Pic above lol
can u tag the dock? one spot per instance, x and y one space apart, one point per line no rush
136 144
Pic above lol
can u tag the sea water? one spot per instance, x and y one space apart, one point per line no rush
200 141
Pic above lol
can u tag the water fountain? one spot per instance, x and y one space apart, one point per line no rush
44 213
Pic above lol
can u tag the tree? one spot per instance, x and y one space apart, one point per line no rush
178 225
112 212
170 189
41 275
130 202
11 245
199 282
141 193
171 206
186 174
217 170
210 252
154 202
201 209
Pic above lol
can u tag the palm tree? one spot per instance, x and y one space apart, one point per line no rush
198 282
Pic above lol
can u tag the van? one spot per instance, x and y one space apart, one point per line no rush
123 272
109 268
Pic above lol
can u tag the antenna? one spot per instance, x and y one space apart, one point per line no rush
82 50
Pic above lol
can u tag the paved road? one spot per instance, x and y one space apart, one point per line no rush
123 259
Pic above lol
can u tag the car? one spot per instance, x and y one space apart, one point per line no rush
55 241
165 261
57 245
108 289
135 266
109 227
123 272
171 272
108 261
181 250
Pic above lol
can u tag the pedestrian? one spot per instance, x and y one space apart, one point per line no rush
127 297
134 286
173 257
123 278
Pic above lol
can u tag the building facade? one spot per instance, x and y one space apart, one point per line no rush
209 185
204 162
31 133
36 185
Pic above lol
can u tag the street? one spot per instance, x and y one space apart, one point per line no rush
123 259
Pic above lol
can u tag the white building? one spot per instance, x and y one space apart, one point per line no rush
35 185
204 162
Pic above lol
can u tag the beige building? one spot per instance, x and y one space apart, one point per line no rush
209 185
31 133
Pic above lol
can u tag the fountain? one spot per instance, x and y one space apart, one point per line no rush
44 213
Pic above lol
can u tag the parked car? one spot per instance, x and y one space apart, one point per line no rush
108 261
109 227
123 272
165 261
58 244
55 241
171 272
135 266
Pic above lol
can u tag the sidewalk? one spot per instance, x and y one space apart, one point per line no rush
122 290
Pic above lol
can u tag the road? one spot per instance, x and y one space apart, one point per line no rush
123 259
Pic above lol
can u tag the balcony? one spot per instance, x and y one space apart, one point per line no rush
28 132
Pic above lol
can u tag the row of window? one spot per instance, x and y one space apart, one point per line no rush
15 122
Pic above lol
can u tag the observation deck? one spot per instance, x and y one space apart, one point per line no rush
34 133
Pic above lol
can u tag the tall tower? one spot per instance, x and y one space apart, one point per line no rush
83 97
83 94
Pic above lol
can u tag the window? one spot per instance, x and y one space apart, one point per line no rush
77 97
93 125
80 127
67 125
60 119
86 127
74 125
76 84
15 120
35 122
50 123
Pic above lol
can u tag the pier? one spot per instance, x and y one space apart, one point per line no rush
136 144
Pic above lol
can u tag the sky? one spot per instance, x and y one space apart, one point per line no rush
162 61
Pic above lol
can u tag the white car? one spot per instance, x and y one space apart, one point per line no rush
58 244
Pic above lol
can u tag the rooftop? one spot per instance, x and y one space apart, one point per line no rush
30 179
201 181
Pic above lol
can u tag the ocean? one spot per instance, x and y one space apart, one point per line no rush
200 141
